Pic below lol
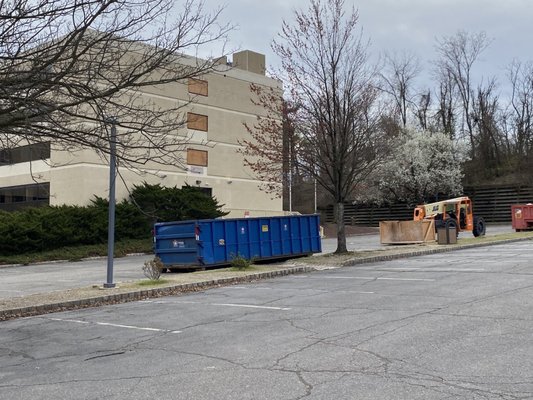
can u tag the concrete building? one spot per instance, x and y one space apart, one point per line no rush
40 174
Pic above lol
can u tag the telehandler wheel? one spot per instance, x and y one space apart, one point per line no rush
479 226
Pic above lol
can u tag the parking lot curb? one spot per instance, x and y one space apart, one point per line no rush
442 249
136 295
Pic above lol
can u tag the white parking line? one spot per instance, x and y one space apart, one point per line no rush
452 269
140 328
353 291
390 269
349 277
377 278
250 306
406 279
76 321
401 269
315 290
226 305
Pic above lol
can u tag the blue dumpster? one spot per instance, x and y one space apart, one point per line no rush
211 242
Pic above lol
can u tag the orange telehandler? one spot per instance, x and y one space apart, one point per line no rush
453 213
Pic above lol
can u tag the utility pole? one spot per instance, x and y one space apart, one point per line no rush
111 218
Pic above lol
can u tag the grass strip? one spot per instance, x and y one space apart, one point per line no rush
77 253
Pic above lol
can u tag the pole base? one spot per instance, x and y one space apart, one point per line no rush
109 285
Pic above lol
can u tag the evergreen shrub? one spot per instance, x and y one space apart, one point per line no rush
47 228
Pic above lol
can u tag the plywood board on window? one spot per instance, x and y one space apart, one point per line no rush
198 86
197 157
197 121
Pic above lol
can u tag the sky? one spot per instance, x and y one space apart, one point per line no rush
398 25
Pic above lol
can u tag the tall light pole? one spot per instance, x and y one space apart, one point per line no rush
315 197
290 189
111 218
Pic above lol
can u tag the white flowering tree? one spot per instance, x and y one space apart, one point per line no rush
421 165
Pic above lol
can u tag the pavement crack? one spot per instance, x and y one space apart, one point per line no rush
488 297
211 357
70 381
301 349
117 353
217 321
308 387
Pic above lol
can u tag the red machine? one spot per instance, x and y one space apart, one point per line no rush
522 217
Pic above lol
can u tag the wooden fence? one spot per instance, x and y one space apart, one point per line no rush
491 202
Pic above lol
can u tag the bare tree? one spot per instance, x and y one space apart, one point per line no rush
445 116
325 70
458 54
491 149
66 66
272 144
423 109
397 81
521 78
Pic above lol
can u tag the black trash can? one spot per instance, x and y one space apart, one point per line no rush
447 235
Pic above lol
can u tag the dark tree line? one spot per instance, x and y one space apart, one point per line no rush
468 106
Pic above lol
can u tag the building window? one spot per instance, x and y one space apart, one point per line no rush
198 86
197 157
197 121
31 152
17 197
204 190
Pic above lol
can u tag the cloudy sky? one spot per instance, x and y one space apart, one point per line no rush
396 25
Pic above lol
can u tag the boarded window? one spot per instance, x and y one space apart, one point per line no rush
198 86
197 157
207 191
197 121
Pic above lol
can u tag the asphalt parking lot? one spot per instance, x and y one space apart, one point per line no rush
445 326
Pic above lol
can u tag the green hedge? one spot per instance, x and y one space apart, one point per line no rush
48 228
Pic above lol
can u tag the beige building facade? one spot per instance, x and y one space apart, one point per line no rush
221 105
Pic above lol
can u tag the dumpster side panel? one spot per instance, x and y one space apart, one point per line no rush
316 243
205 243
255 245
306 235
175 244
275 236
296 236
230 231
243 242
286 245
219 241
264 239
